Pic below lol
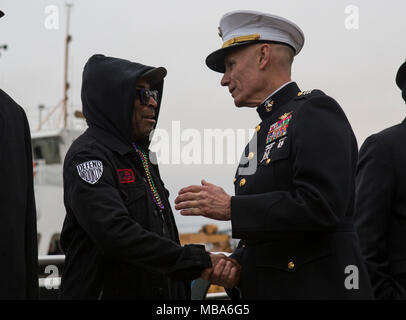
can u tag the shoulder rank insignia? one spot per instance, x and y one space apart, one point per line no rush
279 129
303 93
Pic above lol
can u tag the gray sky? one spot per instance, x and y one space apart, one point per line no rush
356 67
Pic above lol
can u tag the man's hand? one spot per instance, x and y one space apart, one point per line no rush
224 272
207 200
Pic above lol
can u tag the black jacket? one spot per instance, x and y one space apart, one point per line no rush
293 212
18 227
381 210
117 244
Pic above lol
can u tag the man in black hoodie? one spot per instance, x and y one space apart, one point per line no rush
119 234
18 227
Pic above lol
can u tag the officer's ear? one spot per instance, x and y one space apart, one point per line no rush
264 55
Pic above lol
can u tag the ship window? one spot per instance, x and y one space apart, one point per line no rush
47 149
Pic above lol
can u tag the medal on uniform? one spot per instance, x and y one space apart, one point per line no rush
281 142
279 129
268 148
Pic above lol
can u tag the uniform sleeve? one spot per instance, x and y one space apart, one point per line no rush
100 211
374 192
323 160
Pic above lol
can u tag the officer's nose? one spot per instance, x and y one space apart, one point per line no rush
225 80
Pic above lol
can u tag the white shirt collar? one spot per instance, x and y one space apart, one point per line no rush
280 88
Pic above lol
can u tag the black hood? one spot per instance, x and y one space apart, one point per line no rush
108 93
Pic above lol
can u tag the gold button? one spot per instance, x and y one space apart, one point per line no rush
268 161
300 93
235 179
251 156
242 182
291 265
257 128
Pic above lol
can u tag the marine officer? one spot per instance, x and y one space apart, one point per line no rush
295 185
381 206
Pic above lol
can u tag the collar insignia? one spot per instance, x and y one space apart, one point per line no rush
269 105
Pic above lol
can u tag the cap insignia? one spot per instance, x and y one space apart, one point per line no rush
220 32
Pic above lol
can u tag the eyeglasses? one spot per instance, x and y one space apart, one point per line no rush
145 94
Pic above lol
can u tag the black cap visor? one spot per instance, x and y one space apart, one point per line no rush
215 60
155 75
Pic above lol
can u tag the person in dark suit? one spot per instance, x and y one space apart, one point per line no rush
381 206
295 185
18 227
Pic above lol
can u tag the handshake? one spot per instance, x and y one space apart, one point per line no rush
225 271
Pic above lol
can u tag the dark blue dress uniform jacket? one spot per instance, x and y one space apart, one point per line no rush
381 210
294 212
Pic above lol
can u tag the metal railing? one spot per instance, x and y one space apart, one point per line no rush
50 280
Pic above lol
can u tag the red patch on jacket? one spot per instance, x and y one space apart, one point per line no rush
126 175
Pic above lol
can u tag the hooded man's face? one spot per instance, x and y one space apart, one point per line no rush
143 118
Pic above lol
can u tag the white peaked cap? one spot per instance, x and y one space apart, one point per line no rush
244 27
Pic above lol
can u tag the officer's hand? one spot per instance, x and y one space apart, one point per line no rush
225 271
207 200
